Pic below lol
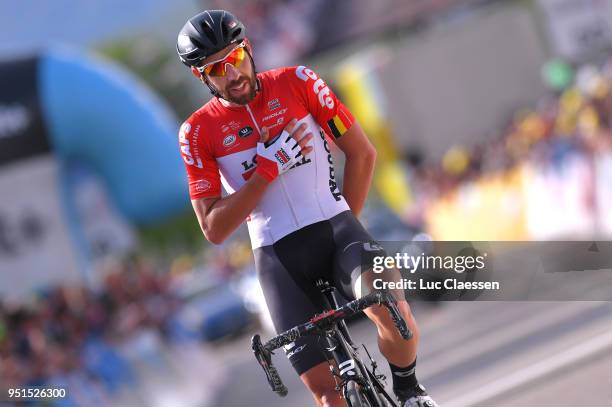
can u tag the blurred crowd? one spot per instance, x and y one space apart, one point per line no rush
281 30
70 336
574 118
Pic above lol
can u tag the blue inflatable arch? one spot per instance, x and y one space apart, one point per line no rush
100 115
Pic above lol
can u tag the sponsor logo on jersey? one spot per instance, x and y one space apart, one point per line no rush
186 128
275 114
245 132
185 146
249 166
318 87
225 128
303 161
234 125
333 186
202 185
274 104
279 121
229 140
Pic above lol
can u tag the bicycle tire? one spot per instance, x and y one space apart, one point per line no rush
374 397
379 389
354 396
361 396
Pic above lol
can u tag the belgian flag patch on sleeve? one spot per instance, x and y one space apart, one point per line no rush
336 126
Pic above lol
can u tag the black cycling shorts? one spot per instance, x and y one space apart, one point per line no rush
287 271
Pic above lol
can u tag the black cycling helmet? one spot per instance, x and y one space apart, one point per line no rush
207 33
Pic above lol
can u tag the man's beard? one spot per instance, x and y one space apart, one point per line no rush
244 99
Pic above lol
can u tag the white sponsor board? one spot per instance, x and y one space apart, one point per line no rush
103 233
603 187
35 246
578 27
558 203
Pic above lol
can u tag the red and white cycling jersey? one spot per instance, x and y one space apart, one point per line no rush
218 145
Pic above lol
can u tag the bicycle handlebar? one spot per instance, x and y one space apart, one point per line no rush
322 322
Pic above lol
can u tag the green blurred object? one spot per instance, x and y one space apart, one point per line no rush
179 234
557 74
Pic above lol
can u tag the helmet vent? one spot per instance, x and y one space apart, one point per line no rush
209 32
224 30
236 33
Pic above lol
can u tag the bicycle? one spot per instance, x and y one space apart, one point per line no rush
361 386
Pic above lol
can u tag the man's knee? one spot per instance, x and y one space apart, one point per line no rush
322 385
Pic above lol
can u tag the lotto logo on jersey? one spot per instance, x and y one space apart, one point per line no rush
318 87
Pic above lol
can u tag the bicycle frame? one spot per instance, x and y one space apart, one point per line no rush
331 324
345 353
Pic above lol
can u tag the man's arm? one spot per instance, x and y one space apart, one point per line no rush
359 166
219 217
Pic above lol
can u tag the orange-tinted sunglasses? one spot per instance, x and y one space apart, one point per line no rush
234 58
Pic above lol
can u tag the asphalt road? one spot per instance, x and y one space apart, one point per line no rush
471 354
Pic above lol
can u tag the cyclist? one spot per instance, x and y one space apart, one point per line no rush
264 137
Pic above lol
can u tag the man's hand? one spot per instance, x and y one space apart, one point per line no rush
276 156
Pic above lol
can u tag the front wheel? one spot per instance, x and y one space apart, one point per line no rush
356 396
353 395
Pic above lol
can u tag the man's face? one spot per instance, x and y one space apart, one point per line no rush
238 85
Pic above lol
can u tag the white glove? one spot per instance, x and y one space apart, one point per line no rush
277 156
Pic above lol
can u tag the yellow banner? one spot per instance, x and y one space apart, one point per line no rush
492 208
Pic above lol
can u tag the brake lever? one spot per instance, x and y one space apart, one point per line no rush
400 324
264 358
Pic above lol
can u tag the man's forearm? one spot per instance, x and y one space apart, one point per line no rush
226 214
358 172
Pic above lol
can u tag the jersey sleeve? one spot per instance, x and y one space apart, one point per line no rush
202 169
320 101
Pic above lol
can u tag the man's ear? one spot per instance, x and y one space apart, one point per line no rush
195 72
